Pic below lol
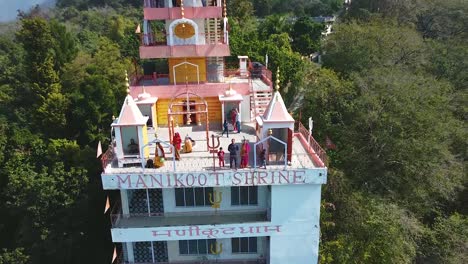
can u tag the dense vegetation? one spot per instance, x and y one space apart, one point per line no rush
390 94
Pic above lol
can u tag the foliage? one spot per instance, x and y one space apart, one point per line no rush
306 35
391 94
358 46
446 242
16 256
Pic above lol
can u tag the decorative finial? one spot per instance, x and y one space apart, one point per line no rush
182 10
127 82
277 79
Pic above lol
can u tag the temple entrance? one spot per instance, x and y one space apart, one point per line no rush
194 110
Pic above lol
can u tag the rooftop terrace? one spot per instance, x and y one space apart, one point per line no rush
303 155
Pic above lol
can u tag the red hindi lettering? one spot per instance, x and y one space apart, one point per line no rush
228 230
162 233
210 232
243 230
272 228
196 229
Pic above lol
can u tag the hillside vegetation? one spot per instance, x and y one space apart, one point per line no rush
390 95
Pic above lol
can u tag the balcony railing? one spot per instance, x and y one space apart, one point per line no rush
203 260
187 218
211 76
160 39
162 4
313 147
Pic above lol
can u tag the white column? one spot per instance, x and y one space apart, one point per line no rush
130 254
125 203
223 115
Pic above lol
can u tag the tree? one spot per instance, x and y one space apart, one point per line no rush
397 142
446 242
241 10
359 46
443 19
64 45
306 35
274 24
262 7
16 256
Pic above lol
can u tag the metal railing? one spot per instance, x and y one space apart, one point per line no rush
161 39
116 215
211 76
201 260
313 147
161 3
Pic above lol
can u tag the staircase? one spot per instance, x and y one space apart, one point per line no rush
259 101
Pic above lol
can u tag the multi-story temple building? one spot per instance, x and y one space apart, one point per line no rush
177 203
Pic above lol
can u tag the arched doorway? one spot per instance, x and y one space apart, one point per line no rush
190 105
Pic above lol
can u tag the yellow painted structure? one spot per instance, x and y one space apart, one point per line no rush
187 71
145 141
214 111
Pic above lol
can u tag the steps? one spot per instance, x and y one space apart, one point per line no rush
259 101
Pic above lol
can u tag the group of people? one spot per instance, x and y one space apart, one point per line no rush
235 122
160 156
233 149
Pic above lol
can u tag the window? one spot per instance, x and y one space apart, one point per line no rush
245 195
244 244
196 247
198 196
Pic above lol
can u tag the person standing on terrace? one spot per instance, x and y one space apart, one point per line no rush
221 157
238 124
225 128
245 149
233 149
177 141
159 156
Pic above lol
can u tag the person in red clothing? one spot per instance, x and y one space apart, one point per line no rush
233 118
221 157
177 141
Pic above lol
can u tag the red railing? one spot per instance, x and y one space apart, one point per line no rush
107 157
313 147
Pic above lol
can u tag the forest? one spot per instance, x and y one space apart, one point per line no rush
388 100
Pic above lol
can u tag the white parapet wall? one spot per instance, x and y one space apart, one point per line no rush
215 179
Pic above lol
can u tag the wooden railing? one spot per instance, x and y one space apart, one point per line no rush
313 146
